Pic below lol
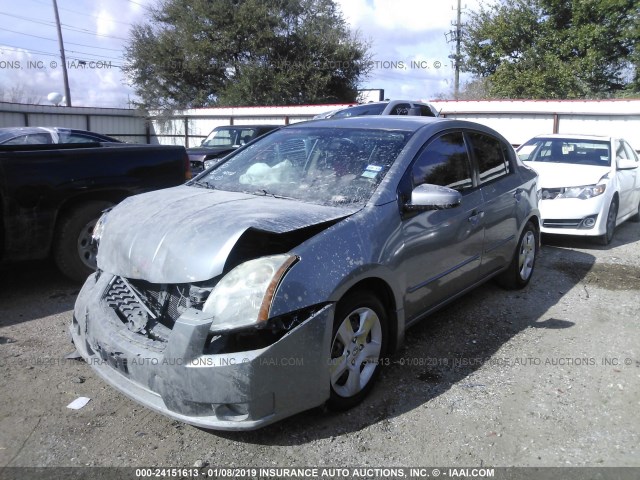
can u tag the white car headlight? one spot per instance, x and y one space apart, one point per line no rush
98 228
584 192
210 162
243 296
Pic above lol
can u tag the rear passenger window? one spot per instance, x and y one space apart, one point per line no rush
444 162
30 139
400 109
490 155
76 138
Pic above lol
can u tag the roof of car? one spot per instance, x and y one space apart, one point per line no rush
576 136
7 133
248 126
395 122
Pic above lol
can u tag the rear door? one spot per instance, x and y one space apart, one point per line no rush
501 191
442 248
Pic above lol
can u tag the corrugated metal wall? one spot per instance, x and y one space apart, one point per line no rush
519 120
123 124
516 120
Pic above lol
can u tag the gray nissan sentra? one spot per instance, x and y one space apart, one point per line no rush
279 280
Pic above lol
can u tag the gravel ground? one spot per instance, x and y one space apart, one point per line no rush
546 376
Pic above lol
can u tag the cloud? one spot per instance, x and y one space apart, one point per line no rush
104 23
411 32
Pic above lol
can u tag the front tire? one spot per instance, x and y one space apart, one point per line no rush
359 343
612 216
520 270
73 249
636 218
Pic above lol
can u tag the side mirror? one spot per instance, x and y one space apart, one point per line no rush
626 164
433 197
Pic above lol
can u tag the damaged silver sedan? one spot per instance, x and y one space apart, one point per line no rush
280 279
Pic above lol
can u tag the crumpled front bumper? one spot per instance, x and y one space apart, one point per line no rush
235 391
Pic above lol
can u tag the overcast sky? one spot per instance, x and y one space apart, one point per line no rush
409 47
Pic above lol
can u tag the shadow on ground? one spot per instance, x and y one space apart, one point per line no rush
443 350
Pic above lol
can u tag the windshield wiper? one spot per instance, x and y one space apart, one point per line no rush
266 193
202 184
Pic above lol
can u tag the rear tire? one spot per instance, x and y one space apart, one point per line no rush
359 342
520 270
73 250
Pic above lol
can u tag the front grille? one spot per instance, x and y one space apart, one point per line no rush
152 309
562 223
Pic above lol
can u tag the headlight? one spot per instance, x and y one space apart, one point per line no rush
98 228
585 192
243 296
211 162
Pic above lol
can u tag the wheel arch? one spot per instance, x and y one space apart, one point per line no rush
112 196
382 290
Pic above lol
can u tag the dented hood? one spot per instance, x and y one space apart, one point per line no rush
185 234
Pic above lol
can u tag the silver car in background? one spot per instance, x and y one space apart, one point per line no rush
280 279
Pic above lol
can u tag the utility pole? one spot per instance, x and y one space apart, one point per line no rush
456 85
67 92
456 36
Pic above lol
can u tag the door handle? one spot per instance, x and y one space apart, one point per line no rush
518 194
476 217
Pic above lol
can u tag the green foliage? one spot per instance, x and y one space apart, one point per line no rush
555 48
196 53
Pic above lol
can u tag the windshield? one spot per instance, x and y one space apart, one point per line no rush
369 109
566 150
325 166
229 137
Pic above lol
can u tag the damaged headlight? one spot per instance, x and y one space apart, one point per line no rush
243 296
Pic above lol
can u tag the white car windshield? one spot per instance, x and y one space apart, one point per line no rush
566 150
325 166
229 137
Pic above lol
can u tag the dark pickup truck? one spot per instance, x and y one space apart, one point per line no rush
52 195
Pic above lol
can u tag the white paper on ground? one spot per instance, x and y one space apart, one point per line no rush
78 403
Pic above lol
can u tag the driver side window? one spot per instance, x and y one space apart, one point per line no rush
444 162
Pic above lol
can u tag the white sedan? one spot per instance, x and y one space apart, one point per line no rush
587 184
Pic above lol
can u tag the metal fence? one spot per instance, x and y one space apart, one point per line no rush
123 124
516 120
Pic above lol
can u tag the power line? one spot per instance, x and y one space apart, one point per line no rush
68 43
41 2
66 27
49 54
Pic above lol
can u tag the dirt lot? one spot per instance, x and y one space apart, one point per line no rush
548 376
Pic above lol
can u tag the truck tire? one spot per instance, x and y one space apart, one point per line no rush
73 250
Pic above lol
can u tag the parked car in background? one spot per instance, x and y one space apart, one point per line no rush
51 195
388 107
222 141
49 135
588 184
279 279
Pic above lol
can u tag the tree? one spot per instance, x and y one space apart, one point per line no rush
20 94
197 53
555 48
